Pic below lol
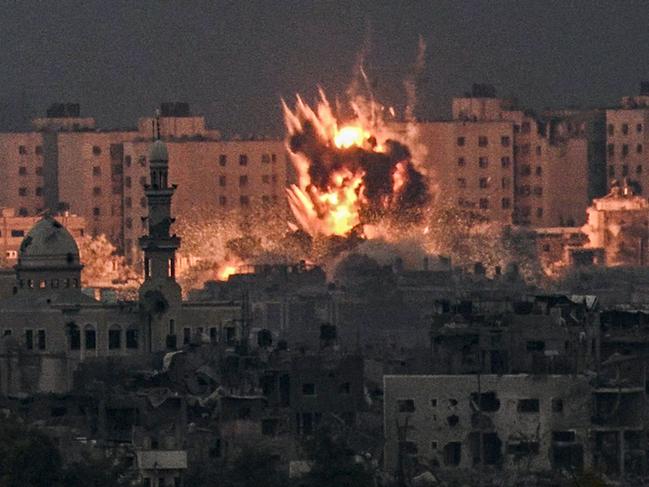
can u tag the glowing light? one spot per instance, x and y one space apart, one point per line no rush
350 136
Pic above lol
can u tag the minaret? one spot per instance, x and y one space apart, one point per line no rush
160 295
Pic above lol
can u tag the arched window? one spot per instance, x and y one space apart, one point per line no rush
90 338
131 338
74 336
115 337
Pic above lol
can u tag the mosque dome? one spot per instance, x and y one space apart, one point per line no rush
158 151
48 245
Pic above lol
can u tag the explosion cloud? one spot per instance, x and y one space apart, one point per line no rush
350 175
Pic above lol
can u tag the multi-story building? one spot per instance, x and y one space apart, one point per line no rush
502 163
66 163
627 129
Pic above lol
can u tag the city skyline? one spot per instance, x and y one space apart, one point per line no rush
120 61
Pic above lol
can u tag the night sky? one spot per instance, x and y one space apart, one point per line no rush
233 61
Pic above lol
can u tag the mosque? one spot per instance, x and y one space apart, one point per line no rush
48 327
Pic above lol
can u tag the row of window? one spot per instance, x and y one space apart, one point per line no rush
483 141
31 341
625 170
115 337
22 150
624 128
25 191
44 283
15 233
243 159
484 183
22 171
243 179
610 148
245 200
483 162
526 405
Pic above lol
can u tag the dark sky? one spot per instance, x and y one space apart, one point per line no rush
233 61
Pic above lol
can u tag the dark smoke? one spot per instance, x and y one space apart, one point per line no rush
326 158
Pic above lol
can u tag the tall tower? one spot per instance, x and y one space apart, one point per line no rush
160 295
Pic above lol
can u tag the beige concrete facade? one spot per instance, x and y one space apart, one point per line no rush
67 164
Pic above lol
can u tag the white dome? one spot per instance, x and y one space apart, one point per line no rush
158 151
48 245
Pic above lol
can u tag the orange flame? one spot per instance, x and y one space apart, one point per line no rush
336 209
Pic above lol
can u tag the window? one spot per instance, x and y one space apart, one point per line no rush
484 203
127 181
244 200
528 406
433 403
539 213
539 170
265 199
187 335
638 169
142 160
638 148
55 283
525 170
22 150
638 128
273 157
265 179
22 171
505 162
38 150
406 405
39 170
96 211
504 141
484 183
453 453
74 336
90 338
18 233
506 203
538 190
525 149
461 183
611 129
243 180
265 159
223 160
557 405
243 160
115 338
96 191
461 162
538 150
96 171
96 150
308 389
625 128
611 171
22 191
483 162
222 181
143 202
131 338
39 191
625 150
223 201
29 339
610 149
483 141
41 340
127 161
128 202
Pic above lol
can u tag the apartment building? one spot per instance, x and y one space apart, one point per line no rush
502 163
67 164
